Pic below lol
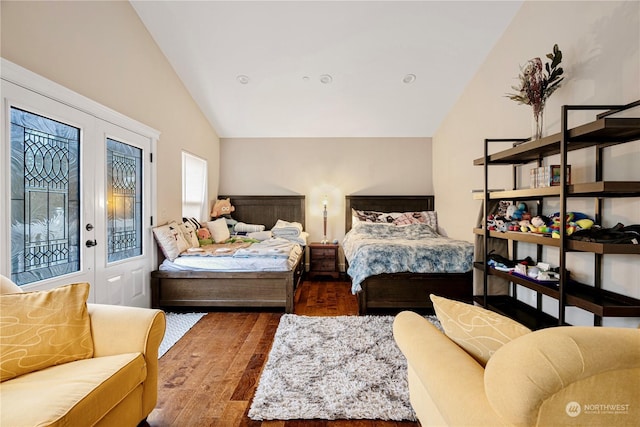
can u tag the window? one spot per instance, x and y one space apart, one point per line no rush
194 187
45 195
124 201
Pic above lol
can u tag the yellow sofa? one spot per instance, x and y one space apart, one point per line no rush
116 386
577 376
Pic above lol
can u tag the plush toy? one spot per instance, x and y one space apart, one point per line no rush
574 221
203 233
204 236
517 212
222 207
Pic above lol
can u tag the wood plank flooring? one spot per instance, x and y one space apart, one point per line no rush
208 378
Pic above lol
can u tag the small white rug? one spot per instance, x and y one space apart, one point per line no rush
343 367
177 325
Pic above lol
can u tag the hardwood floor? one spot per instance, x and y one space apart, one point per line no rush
209 377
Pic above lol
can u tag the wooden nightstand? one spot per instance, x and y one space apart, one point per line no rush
323 260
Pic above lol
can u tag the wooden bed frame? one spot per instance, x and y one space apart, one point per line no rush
398 291
237 289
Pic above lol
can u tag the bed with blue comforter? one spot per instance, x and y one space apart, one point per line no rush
373 249
396 258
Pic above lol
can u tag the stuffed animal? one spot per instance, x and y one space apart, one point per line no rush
517 212
203 233
222 207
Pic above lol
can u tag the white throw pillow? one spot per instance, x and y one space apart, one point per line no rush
190 234
219 230
170 240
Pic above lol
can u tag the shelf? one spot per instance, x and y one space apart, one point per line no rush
601 302
590 189
572 245
517 310
608 129
537 239
602 132
597 301
549 290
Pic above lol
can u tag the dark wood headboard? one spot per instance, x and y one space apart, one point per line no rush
386 204
266 210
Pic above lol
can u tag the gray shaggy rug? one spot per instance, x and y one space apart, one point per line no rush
344 367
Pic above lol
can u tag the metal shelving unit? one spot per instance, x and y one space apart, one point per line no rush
603 132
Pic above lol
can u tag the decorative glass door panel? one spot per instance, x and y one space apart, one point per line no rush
76 189
45 197
124 201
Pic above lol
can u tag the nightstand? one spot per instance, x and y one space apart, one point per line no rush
323 260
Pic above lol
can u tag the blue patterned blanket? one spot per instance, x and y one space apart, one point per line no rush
372 249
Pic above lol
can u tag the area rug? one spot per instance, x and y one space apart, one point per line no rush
178 324
343 367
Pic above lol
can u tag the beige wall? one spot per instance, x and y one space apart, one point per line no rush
600 42
102 51
326 166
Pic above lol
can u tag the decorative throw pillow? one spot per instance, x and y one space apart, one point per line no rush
219 230
170 240
196 224
44 328
190 234
478 331
396 218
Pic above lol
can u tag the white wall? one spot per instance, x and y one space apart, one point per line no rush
102 51
326 166
600 42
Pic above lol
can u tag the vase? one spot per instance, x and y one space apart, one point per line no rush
537 123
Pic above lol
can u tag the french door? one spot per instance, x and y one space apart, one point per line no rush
76 199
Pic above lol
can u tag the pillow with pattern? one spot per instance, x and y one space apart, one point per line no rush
396 218
44 328
190 233
171 240
478 331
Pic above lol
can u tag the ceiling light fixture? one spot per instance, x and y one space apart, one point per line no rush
242 79
409 78
326 79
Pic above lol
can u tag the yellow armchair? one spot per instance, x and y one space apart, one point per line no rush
564 376
118 385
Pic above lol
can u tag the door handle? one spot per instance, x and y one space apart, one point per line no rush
91 243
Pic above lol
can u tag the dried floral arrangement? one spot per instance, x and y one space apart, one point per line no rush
536 86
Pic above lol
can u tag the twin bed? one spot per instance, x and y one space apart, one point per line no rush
218 289
376 287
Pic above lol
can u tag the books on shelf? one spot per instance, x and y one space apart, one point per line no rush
548 176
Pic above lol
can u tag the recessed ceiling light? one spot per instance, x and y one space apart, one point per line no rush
326 79
305 78
409 78
242 79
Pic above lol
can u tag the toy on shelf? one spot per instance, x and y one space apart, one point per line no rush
517 218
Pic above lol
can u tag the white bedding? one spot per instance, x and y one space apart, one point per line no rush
270 255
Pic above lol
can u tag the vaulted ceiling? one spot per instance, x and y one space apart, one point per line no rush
325 68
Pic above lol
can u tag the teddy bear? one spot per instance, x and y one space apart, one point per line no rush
204 236
222 207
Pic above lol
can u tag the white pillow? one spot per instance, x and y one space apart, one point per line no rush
170 240
190 234
219 230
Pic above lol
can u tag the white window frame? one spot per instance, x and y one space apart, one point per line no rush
195 176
